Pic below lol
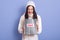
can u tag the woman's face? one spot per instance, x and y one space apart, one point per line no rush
30 9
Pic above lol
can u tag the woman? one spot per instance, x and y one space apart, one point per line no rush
30 23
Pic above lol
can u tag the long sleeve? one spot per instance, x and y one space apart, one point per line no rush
20 30
39 24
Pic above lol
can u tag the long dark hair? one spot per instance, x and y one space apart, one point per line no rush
34 12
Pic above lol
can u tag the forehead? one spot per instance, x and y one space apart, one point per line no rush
30 7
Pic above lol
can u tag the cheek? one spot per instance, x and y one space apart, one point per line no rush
31 10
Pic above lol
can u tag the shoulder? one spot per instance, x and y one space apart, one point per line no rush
22 18
38 16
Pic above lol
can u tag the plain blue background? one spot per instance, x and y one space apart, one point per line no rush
11 11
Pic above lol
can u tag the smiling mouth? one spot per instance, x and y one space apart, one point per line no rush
29 12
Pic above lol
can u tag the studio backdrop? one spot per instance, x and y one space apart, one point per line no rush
11 11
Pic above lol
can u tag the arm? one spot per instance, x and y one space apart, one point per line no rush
20 26
39 23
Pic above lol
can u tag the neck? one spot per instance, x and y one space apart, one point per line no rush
30 15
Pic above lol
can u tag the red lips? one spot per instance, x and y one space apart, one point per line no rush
29 12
